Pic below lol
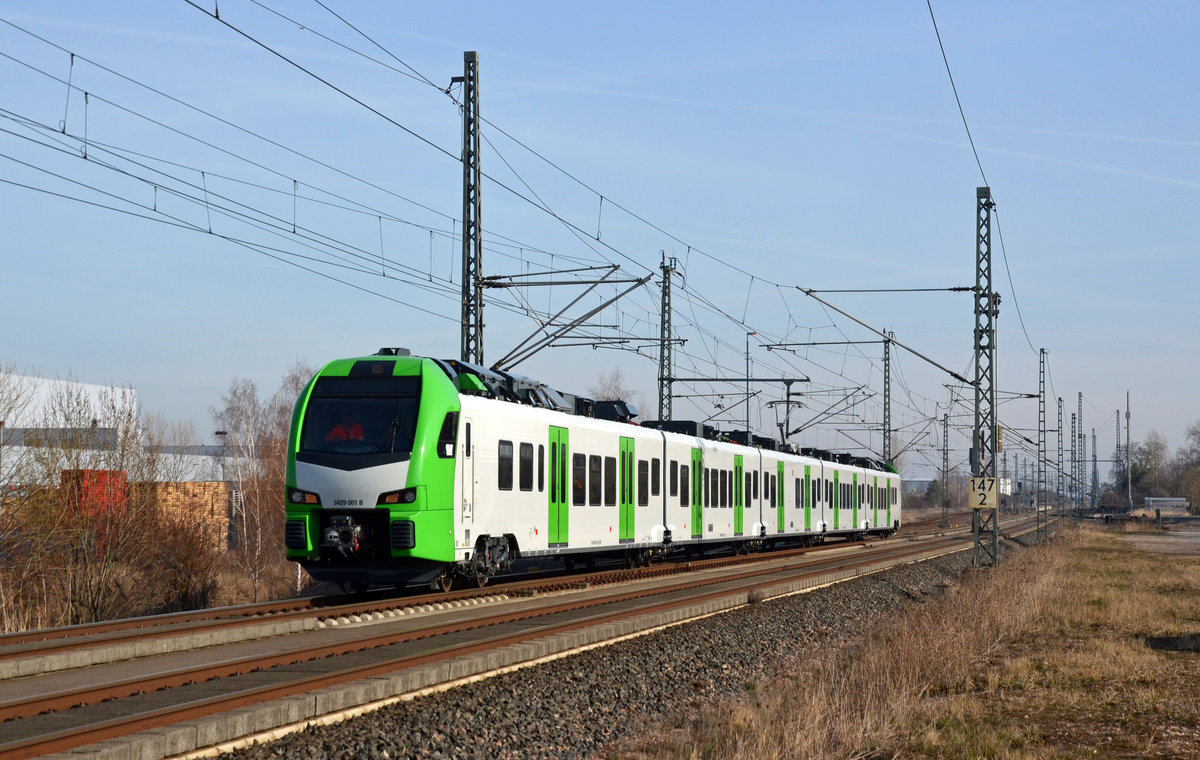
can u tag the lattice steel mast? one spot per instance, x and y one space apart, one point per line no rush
665 360
887 398
1040 494
472 246
945 521
1081 462
1059 493
986 522
1073 486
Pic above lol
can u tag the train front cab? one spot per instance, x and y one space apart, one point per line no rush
373 503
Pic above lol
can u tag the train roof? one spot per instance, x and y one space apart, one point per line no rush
476 379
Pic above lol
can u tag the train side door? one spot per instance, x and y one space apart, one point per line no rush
467 473
697 476
854 500
780 492
626 479
559 518
875 501
837 501
806 494
739 500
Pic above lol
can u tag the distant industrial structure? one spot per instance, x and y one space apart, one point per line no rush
58 446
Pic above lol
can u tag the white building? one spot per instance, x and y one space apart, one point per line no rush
84 426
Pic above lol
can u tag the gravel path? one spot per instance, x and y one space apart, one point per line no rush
575 706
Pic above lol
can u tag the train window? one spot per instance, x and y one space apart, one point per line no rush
467 436
447 436
746 493
504 473
705 491
816 492
655 477
610 481
541 459
754 482
644 482
594 480
799 494
579 476
674 477
525 467
683 485
714 483
769 487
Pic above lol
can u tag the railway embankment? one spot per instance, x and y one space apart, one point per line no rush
1087 648
586 704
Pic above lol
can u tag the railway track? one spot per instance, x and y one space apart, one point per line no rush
332 657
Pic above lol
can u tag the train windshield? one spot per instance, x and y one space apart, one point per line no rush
370 417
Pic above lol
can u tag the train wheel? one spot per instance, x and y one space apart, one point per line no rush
481 580
443 582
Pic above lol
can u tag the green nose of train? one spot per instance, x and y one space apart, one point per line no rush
371 471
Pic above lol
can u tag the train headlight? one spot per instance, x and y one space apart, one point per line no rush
403 496
296 496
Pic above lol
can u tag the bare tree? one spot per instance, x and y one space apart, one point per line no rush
83 550
610 386
241 417
19 550
256 434
175 444
1186 469
1154 461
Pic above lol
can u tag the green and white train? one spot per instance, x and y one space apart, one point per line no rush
405 469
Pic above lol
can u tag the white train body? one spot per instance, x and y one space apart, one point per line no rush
633 487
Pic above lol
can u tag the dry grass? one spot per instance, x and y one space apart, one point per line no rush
1067 650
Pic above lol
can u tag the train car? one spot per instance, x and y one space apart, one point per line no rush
405 469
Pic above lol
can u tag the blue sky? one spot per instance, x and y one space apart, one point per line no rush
764 146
